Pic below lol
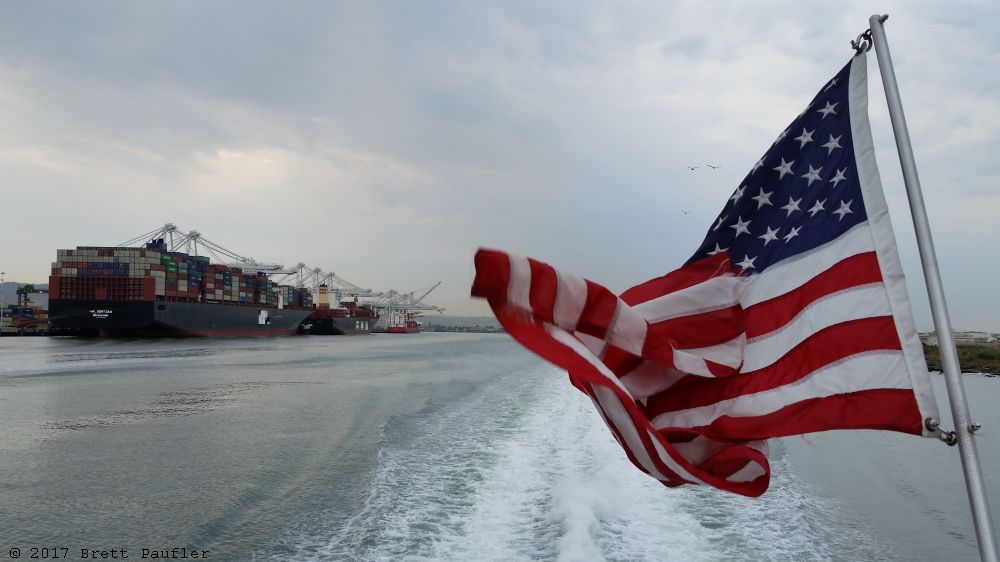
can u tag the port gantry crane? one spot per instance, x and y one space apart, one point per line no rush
193 242
339 287
23 299
395 304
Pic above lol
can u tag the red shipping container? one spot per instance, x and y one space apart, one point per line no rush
54 285
148 289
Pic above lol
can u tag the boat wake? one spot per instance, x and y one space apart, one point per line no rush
526 470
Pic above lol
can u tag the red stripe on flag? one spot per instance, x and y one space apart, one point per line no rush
687 276
732 459
720 370
598 311
701 330
619 361
884 408
492 275
767 316
543 289
818 350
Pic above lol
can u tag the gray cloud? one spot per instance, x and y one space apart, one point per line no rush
386 141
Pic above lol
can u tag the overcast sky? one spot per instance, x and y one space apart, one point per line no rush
387 141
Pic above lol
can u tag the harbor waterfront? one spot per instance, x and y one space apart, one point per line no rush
433 446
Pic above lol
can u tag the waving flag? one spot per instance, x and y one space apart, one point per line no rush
792 317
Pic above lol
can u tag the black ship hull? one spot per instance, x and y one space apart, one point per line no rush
170 319
348 326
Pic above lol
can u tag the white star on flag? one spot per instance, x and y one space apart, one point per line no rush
719 223
747 262
817 208
762 198
783 168
827 110
812 175
805 137
839 177
717 250
792 206
741 227
769 235
832 144
792 234
844 210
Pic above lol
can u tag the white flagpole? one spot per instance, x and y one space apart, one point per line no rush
964 427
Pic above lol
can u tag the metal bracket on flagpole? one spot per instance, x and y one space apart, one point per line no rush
934 426
864 42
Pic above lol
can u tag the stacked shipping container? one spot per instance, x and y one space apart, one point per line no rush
152 273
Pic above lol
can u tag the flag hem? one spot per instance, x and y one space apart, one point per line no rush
884 240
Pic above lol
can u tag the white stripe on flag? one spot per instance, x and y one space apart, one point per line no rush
628 329
865 301
714 294
571 296
728 353
519 288
866 371
792 273
748 473
690 363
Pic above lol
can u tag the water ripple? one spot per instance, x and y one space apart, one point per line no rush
169 404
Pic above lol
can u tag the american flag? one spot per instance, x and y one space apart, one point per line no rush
792 317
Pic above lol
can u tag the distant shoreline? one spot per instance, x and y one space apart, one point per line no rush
972 358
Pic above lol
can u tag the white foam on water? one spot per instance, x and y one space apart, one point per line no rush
562 489
526 470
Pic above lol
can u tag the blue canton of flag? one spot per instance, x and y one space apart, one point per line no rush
802 193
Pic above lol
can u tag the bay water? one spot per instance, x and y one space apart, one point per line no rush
426 446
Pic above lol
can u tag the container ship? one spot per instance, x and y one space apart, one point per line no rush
151 292
349 319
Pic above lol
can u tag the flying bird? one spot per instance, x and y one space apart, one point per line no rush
691 167
714 167
686 212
